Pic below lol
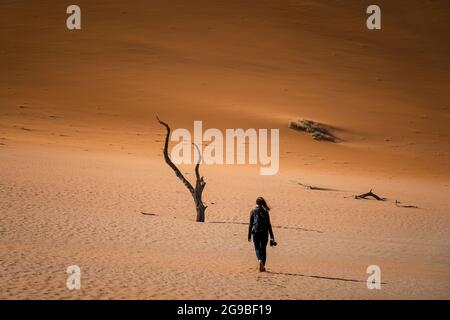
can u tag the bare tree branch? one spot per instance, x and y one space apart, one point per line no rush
200 182
399 204
197 166
200 185
369 194
169 161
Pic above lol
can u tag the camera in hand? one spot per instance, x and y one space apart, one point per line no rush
273 243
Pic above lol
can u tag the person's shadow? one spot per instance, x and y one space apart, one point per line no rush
317 277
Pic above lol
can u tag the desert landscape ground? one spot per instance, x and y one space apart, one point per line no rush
81 151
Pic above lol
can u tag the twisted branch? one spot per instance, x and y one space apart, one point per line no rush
200 182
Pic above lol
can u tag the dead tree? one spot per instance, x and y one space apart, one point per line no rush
200 182
369 194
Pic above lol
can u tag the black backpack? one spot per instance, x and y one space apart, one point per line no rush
260 220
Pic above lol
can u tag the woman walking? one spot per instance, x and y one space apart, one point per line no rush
260 228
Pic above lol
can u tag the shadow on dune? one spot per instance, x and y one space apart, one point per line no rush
315 188
246 223
278 227
317 277
321 189
311 187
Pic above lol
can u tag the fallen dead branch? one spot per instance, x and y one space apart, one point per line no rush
149 214
398 204
376 197
369 194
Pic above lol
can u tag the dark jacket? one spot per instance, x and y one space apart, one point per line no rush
264 212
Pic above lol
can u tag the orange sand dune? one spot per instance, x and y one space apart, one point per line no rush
81 152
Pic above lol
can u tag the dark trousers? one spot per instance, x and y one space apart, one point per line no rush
260 240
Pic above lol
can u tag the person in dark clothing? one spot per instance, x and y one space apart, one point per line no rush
260 227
